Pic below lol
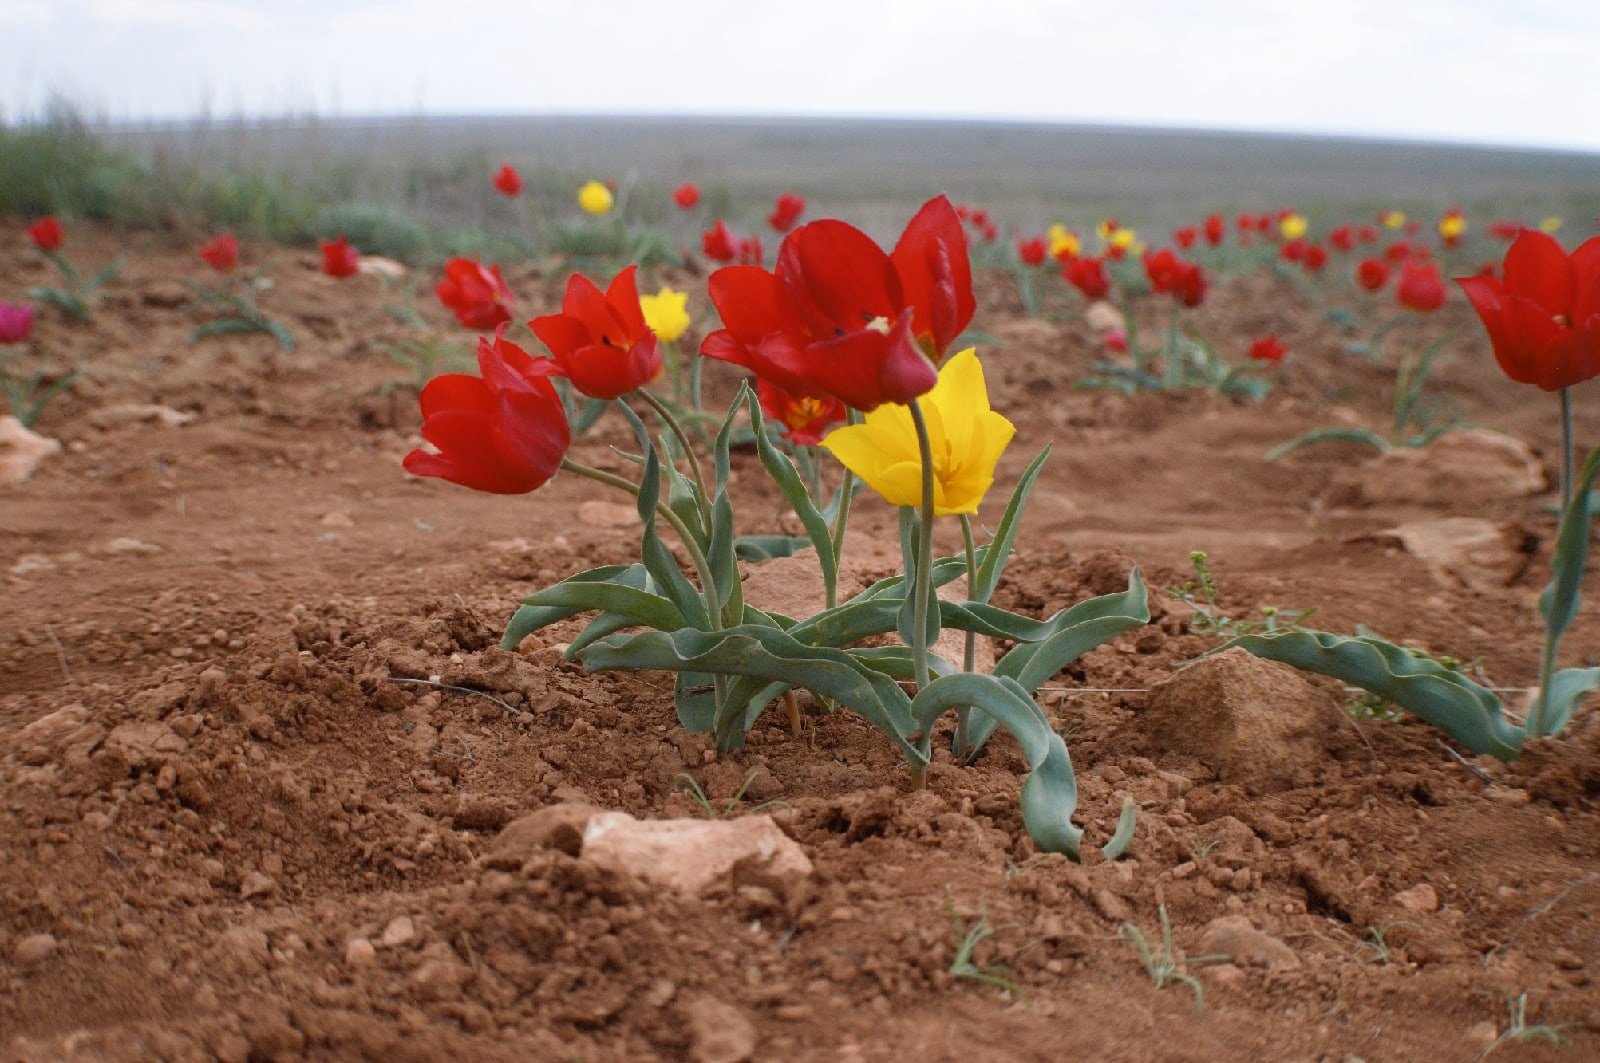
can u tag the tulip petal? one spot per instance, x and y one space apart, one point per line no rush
623 297
935 272
961 396
838 279
1537 269
455 391
752 303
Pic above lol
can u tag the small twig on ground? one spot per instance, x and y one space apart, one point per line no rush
460 690
61 654
1465 763
1542 909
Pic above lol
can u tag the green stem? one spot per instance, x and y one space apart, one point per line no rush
708 588
1566 450
678 433
969 656
924 575
847 491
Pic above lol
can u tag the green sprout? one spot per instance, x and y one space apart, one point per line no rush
1376 948
1517 1028
968 938
684 783
1164 965
1201 594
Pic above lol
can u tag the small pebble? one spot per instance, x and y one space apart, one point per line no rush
358 952
35 948
400 931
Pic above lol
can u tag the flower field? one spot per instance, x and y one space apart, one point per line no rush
306 730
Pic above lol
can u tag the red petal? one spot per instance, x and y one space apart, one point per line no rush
866 369
455 391
623 297
837 278
586 304
1529 336
752 303
562 333
1537 268
935 273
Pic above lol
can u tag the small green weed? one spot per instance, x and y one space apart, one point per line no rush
1517 1028
968 938
1164 965
1201 594
686 784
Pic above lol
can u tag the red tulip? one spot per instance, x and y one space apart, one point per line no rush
339 259
1316 257
46 234
717 243
1420 287
1268 348
1170 275
504 432
751 252
1398 251
1115 341
1372 273
1215 229
786 210
507 181
1343 238
1544 318
600 341
16 321
805 418
478 294
1505 230
839 317
1293 251
222 253
1033 252
1368 234
1186 236
1088 275
686 196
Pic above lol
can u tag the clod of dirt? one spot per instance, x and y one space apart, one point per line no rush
1257 723
126 413
695 857
718 1032
35 948
1463 551
1459 469
1235 937
558 826
21 450
1419 898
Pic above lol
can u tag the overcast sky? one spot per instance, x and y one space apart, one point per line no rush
1487 71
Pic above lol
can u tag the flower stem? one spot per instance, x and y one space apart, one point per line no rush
924 574
688 449
1566 450
969 657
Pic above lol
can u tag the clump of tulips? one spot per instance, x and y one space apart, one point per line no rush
1542 314
855 352
77 299
234 300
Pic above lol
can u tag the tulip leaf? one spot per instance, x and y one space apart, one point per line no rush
759 548
1331 435
721 551
945 570
1050 793
1566 688
999 551
605 624
1448 700
530 617
694 695
1559 602
909 532
663 567
787 477
1126 822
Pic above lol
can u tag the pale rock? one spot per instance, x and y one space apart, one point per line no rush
1464 469
34 948
1224 974
400 931
1244 945
358 952
1257 723
1101 316
692 857
338 519
28 564
557 826
128 546
378 266
718 1031
254 884
440 979
1420 898
142 744
109 417
21 450
49 737
1466 552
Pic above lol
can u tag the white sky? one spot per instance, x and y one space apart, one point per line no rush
1487 71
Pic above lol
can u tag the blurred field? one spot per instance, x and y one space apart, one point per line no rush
1028 174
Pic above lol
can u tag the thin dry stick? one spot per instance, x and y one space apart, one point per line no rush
1465 763
61 654
460 690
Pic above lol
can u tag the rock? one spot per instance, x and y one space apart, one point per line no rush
400 931
126 546
1244 945
440 979
1419 898
1257 723
35 948
1464 469
50 736
1101 316
21 450
1462 551
358 952
379 266
109 417
692 857
255 884
554 827
143 744
718 1031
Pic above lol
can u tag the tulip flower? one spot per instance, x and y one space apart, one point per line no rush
600 341
1392 219
339 259
1170 275
507 181
1293 250
1088 275
1550 225
16 321
1543 319
1064 243
504 432
595 198
1215 229
1268 348
1121 241
1452 226
1342 237
1032 252
967 436
46 234
1115 341
1316 257
1398 251
222 253
477 294
1372 274
838 316
666 313
786 210
717 243
1186 236
686 196
805 418
1293 226
1505 230
750 251
1420 287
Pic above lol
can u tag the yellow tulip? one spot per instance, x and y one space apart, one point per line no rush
1550 224
967 436
1452 225
1394 219
1063 241
1127 239
595 198
1293 226
666 312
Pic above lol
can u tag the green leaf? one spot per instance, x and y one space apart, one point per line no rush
999 551
1559 602
663 567
1448 700
1050 793
1126 822
758 548
64 301
722 551
1331 435
1567 688
788 479
530 617
694 695
600 627
906 622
